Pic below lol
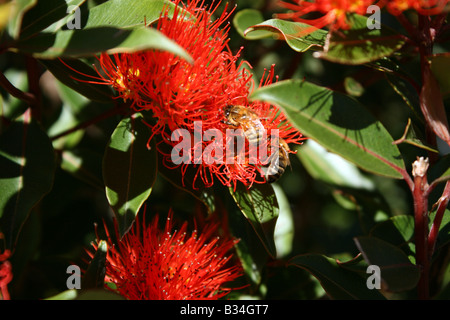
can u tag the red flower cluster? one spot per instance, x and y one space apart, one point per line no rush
180 95
5 273
333 13
153 264
423 7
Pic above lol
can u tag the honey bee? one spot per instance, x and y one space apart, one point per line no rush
238 116
241 117
278 162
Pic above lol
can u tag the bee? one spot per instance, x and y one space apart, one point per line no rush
241 117
278 162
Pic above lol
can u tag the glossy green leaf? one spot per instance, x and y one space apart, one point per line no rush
359 44
65 295
338 123
27 163
245 19
94 277
129 169
91 41
127 13
339 282
331 168
284 232
397 272
299 36
21 8
260 206
348 185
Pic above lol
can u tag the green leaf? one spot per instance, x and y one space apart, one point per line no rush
21 8
331 168
397 272
338 123
339 282
247 18
359 44
259 205
87 42
28 164
127 13
284 229
299 36
129 169
94 277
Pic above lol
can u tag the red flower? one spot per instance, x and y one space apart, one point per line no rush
183 96
234 155
5 273
333 13
177 92
154 264
423 7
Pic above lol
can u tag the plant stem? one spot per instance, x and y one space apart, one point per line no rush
34 88
441 205
421 225
28 98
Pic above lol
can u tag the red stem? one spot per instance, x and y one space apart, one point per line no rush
28 98
442 205
34 88
421 235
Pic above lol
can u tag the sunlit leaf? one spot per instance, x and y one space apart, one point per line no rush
360 44
338 123
91 41
299 36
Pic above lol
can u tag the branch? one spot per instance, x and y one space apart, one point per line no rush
28 98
